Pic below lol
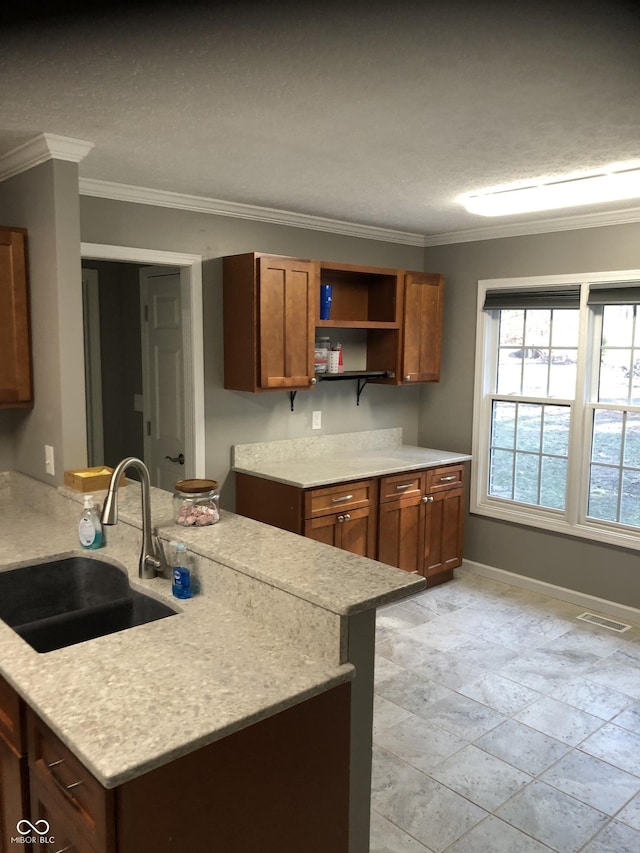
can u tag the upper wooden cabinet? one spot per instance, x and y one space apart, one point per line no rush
15 340
422 327
272 314
268 322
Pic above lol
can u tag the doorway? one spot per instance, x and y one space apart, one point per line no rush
121 416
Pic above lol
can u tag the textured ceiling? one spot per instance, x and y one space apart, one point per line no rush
373 113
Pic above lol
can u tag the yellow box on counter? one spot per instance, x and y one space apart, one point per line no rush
90 479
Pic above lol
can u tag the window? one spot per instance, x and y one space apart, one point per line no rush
557 404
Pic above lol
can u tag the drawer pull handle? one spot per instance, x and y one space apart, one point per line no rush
343 498
66 789
55 763
64 849
448 479
404 486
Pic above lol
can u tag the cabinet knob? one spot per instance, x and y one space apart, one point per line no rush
347 517
341 518
427 499
313 380
407 378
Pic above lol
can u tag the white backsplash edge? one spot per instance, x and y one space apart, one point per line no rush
313 447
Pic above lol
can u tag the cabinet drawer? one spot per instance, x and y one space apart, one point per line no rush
345 496
73 793
11 718
447 477
396 486
62 835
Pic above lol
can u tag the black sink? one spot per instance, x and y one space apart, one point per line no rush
68 601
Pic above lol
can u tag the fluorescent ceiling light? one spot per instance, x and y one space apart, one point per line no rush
613 184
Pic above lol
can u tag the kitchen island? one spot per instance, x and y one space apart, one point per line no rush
280 622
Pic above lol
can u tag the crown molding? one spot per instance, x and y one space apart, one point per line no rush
542 226
45 146
217 207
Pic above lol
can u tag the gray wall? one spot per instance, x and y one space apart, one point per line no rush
234 417
44 200
446 409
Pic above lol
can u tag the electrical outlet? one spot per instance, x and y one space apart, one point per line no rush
316 420
49 464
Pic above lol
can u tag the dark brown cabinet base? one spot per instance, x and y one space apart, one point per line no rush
281 784
413 521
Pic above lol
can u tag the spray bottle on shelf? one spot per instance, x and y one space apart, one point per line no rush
89 527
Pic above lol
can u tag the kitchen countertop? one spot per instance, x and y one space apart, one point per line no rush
134 700
308 463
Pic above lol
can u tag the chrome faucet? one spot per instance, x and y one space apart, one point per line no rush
152 561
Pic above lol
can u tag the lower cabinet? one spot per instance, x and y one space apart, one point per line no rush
280 784
14 779
421 522
344 516
413 521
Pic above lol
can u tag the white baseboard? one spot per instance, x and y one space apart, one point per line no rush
582 599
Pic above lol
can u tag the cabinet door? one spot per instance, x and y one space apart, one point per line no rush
15 345
14 796
443 533
401 533
422 327
286 331
353 531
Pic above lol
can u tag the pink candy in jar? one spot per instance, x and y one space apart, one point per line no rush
195 503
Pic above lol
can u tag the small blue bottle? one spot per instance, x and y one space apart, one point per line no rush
181 586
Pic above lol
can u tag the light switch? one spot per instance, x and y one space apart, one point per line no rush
49 464
316 420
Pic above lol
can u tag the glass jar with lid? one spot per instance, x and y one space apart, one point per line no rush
196 503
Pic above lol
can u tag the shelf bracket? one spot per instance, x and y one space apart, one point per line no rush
292 397
361 385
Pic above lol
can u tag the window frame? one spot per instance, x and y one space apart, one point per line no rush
573 520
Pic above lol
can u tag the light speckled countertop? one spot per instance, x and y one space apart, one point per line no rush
267 631
311 462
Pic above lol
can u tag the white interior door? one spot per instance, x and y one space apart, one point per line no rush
163 375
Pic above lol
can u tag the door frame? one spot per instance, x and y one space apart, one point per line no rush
92 365
192 335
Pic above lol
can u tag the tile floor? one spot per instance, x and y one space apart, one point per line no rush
503 725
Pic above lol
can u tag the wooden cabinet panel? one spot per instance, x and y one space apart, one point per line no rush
14 777
15 341
286 332
268 310
344 496
353 531
14 794
443 534
398 486
401 533
422 327
442 479
82 807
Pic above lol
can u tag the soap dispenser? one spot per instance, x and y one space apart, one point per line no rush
181 585
90 528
